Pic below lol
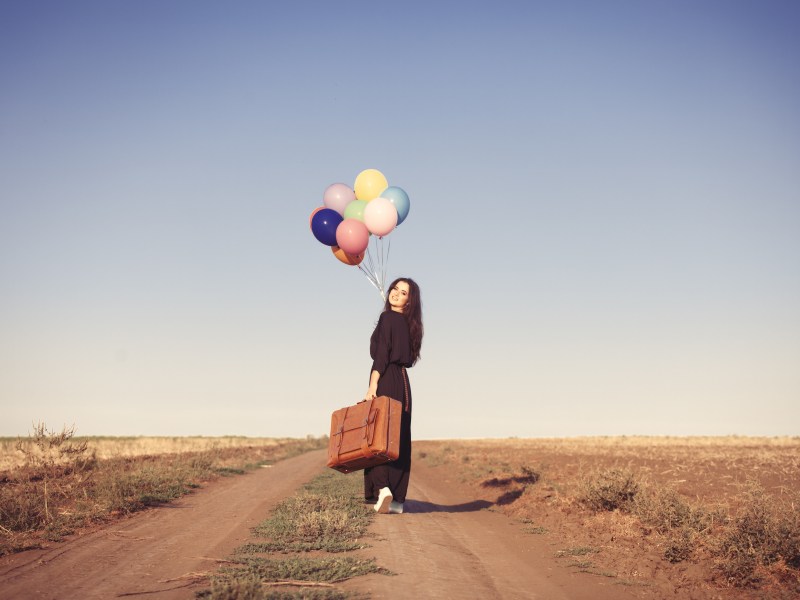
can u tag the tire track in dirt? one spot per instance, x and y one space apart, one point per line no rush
158 553
447 545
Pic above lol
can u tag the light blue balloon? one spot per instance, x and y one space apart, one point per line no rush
399 198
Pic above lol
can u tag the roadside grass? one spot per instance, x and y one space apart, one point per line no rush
254 589
760 541
532 528
61 485
310 533
576 551
638 495
326 515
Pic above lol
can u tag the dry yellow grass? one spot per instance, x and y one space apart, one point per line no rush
55 484
126 447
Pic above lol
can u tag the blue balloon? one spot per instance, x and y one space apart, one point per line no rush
324 224
399 198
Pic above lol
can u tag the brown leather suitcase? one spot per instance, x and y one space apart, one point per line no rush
365 434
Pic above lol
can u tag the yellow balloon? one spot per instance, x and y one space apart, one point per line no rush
370 184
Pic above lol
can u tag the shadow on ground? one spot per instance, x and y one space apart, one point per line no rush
418 506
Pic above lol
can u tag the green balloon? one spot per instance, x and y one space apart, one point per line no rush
355 210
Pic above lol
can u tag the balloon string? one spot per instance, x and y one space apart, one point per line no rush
371 266
386 261
383 263
371 279
371 272
374 266
379 256
379 264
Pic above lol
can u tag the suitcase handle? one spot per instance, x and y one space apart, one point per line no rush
369 419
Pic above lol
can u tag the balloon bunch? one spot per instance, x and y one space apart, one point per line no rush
350 216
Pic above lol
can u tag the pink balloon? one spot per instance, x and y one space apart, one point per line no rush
352 236
380 216
337 196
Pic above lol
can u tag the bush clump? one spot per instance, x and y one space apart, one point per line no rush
764 534
612 489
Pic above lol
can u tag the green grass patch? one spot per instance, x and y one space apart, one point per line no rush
576 551
228 471
254 589
581 565
536 530
332 569
327 515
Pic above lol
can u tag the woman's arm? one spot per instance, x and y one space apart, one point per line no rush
382 351
374 377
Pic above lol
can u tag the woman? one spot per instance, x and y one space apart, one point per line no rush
394 346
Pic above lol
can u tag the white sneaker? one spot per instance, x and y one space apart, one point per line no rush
396 508
384 500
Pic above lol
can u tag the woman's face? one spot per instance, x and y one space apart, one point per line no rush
398 296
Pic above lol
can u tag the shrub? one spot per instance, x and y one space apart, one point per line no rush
762 534
680 544
612 489
666 510
30 498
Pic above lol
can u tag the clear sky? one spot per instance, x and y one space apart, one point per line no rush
605 214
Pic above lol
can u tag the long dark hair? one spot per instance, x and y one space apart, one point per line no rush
412 311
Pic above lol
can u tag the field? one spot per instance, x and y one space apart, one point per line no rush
666 513
53 484
657 517
120 447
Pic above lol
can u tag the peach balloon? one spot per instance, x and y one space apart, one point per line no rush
348 259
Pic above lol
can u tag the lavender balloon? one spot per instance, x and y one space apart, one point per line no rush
337 196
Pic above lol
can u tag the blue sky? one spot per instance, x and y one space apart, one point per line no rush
605 206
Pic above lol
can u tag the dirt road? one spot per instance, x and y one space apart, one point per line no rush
448 545
445 546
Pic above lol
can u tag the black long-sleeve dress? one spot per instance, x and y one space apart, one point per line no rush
390 349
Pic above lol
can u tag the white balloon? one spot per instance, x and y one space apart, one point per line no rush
380 216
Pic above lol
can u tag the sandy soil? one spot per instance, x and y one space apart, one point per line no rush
446 545
160 550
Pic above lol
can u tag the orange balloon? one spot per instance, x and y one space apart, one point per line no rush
348 259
